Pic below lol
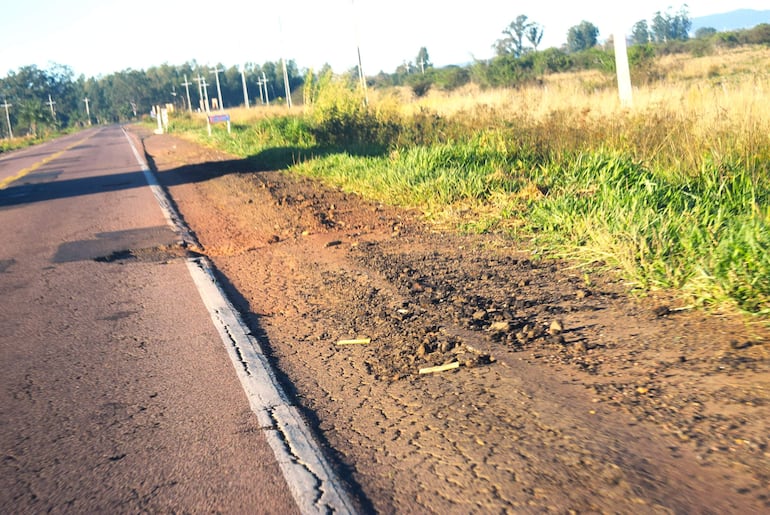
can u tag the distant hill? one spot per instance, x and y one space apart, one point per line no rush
738 19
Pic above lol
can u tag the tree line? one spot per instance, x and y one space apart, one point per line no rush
48 100
126 95
518 60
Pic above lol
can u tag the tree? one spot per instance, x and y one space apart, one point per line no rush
534 35
513 42
582 37
640 34
705 32
681 25
669 27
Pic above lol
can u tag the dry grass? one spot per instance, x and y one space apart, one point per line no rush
735 84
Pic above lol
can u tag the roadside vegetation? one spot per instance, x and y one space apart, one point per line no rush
674 192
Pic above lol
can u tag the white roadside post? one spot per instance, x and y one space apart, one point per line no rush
621 65
158 117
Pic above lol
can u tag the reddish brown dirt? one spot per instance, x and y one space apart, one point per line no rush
571 394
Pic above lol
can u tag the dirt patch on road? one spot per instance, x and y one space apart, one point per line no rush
568 394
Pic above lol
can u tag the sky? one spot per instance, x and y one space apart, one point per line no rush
99 37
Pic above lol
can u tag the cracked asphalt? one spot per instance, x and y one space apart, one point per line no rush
116 393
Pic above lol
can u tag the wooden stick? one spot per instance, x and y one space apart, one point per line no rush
440 368
357 341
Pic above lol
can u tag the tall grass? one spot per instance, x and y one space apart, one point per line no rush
707 234
674 192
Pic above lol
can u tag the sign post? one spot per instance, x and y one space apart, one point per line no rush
218 118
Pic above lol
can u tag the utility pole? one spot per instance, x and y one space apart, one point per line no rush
264 83
8 118
361 76
261 93
204 94
199 80
285 72
51 103
219 91
88 110
245 89
187 85
286 83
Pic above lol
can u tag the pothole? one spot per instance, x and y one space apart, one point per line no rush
157 254
5 264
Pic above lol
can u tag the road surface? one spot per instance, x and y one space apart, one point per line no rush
117 394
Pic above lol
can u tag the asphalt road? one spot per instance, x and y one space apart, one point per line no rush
116 394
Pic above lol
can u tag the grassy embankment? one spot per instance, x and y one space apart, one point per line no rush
674 193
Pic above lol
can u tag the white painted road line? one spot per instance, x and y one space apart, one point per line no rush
311 480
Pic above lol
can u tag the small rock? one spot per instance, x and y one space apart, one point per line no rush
579 347
555 328
558 339
500 327
273 239
480 315
333 243
582 294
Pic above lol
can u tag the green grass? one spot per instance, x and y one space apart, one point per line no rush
655 197
705 234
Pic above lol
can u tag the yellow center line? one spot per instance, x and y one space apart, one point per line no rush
8 180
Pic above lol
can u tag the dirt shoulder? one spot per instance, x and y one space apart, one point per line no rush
569 395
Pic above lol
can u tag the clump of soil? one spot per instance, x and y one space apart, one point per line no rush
568 393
